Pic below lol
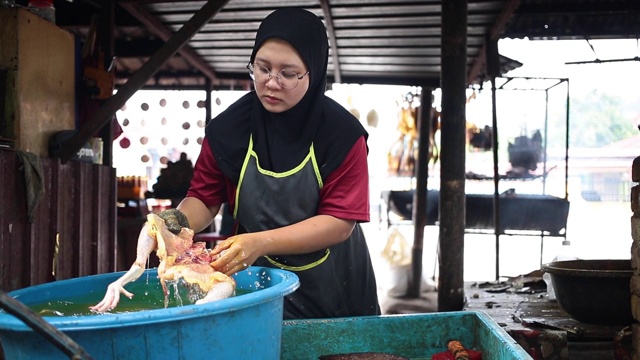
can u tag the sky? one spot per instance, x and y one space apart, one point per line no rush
523 111
547 58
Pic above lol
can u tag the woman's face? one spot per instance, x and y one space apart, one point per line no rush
275 55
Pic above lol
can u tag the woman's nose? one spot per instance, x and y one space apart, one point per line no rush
273 82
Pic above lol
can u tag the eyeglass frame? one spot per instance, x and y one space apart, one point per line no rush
251 66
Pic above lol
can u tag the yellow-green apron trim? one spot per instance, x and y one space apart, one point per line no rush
300 268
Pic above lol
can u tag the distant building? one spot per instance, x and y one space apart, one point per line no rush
605 172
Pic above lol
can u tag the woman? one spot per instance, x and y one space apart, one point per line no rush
292 165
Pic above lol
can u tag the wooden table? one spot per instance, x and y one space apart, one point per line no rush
542 327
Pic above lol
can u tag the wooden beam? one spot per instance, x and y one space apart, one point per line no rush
496 30
328 19
452 156
155 26
421 173
105 113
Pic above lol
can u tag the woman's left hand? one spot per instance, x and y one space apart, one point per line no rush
236 253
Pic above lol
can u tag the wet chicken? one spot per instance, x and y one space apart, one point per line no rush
182 259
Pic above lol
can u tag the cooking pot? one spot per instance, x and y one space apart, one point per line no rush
593 291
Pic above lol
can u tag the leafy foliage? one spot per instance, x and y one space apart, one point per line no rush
597 120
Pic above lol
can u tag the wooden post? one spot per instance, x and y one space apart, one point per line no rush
452 157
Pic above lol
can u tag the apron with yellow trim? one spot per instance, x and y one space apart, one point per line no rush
334 282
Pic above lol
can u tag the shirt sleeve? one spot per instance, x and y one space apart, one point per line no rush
208 183
345 193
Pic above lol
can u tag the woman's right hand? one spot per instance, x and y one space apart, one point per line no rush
237 253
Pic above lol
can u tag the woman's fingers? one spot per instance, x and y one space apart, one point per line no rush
230 261
225 257
234 254
222 246
234 266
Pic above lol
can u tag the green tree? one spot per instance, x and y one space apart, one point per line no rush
596 120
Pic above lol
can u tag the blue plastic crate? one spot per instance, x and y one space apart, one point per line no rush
416 336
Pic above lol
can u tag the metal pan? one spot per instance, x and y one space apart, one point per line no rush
593 291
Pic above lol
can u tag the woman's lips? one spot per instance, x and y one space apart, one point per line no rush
272 100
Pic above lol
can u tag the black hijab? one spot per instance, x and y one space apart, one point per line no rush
282 140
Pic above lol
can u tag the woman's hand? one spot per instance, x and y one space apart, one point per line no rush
236 253
316 233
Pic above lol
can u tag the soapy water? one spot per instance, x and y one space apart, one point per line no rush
146 296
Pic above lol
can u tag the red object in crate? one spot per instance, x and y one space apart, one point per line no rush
457 351
447 355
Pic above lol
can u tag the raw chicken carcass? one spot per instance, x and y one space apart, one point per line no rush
182 259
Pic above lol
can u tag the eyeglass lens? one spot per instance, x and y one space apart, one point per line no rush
286 78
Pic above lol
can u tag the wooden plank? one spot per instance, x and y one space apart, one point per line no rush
104 218
4 223
17 244
42 236
7 216
20 244
84 206
65 214
49 209
78 209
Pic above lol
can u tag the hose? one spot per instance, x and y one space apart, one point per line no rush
61 340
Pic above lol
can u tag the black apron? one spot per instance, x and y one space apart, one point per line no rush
334 282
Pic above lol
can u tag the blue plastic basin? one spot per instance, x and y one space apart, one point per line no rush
247 326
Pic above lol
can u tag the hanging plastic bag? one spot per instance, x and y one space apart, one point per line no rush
397 251
397 254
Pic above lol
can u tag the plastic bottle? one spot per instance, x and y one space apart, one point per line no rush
43 8
565 253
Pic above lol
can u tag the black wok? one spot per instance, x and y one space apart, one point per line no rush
593 291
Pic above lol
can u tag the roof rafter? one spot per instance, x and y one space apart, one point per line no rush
162 32
479 64
326 10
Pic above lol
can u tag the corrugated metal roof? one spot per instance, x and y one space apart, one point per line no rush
575 19
372 41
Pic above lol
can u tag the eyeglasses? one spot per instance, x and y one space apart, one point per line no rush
286 78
